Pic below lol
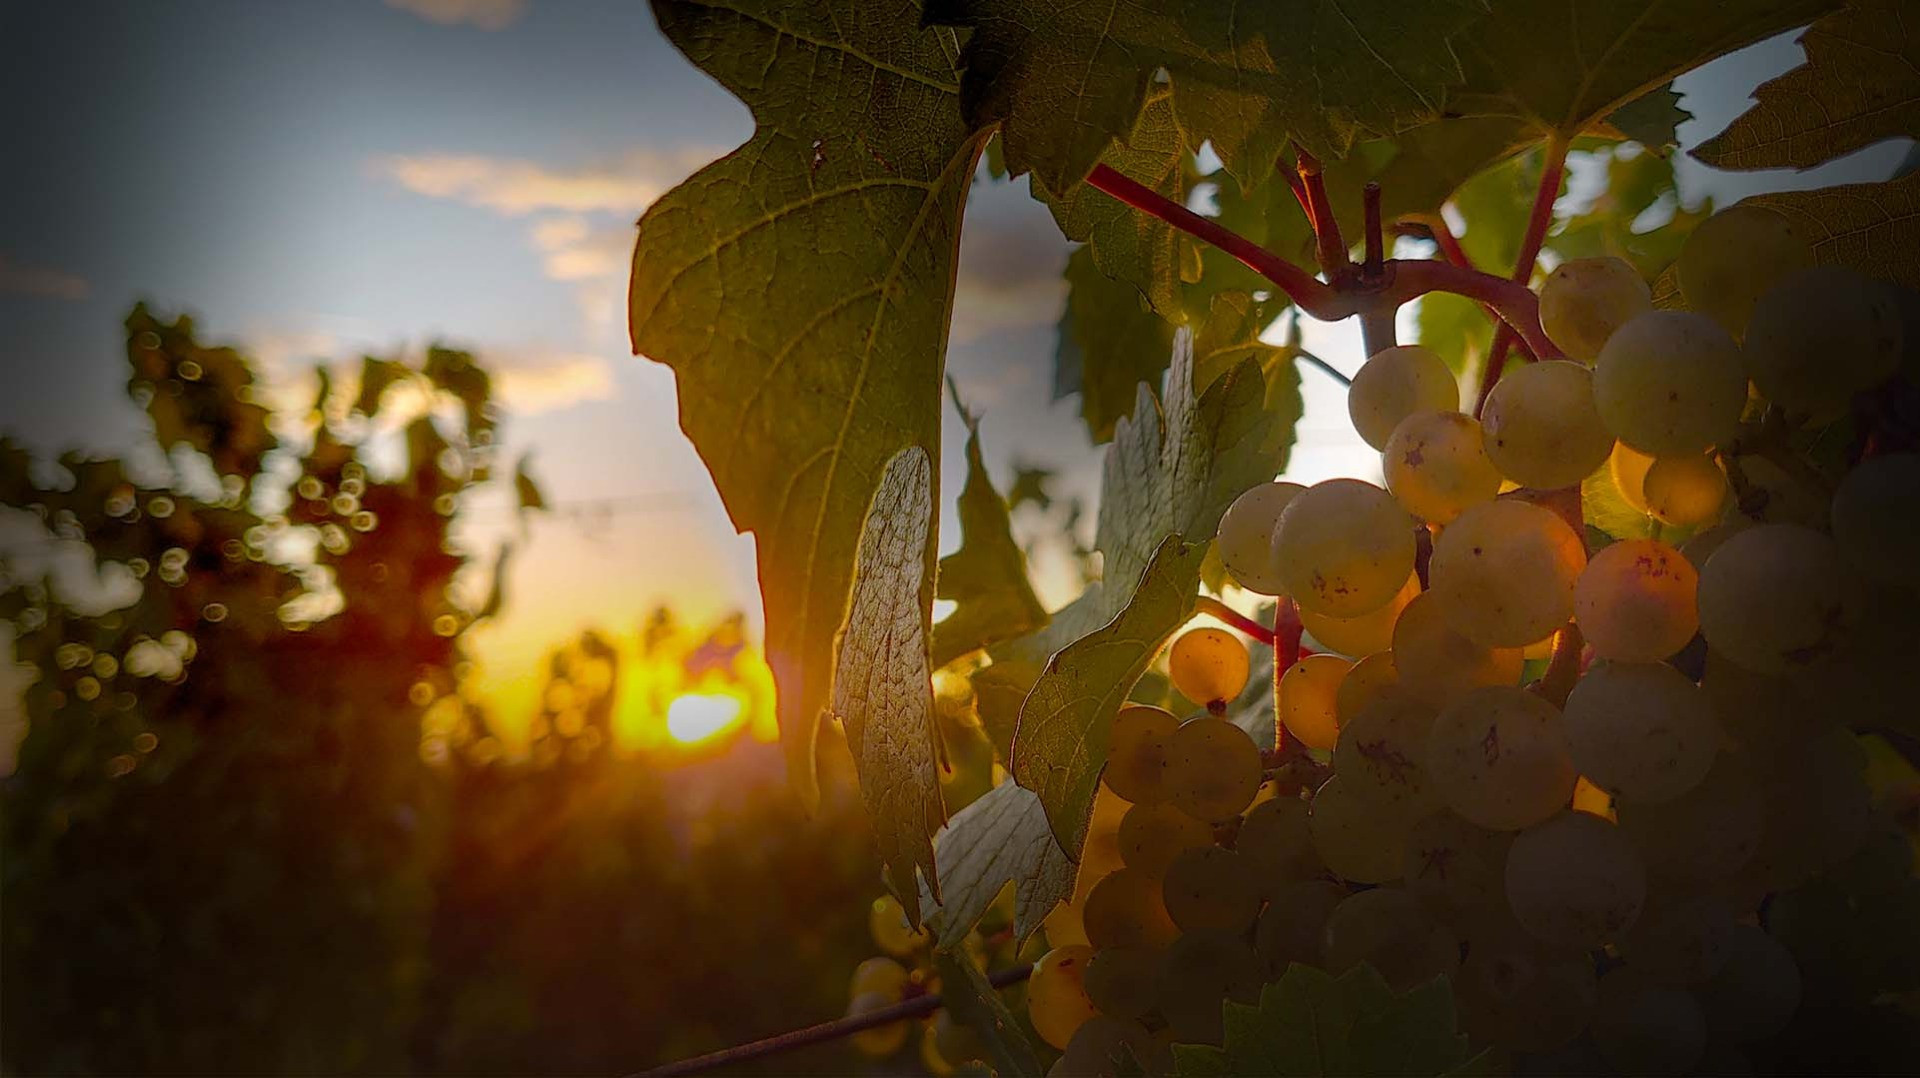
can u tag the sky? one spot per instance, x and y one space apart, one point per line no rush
314 181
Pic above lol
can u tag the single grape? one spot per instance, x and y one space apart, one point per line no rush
1208 889
1504 574
1756 990
1344 548
1700 546
891 931
1876 515
1643 731
880 1040
1151 836
880 975
1124 981
1208 665
1575 881
1687 490
1246 536
1498 756
1057 1001
1277 842
1455 865
1369 678
1363 635
1671 382
1542 426
1395 383
1307 693
1213 769
1203 970
1820 336
1381 755
1357 838
1438 663
1708 833
1635 601
1512 994
1772 598
1390 930
1585 299
1436 466
1293 926
1137 753
1125 910
1679 939
1646 1028
1733 258
1629 467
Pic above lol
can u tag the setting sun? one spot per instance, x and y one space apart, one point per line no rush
695 717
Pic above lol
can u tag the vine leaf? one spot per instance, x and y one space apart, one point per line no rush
1653 119
1860 84
1000 839
1164 484
1109 342
1130 246
987 576
1309 1023
1066 80
976 1005
1872 227
838 223
883 687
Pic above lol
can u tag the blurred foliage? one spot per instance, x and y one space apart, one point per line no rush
256 826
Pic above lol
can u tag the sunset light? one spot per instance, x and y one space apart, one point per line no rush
698 717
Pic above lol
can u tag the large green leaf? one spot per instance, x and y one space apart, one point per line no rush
987 577
1162 477
800 289
882 685
1066 80
1873 227
1000 839
1860 84
1311 1024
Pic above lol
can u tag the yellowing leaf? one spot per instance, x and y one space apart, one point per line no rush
1860 84
883 687
800 288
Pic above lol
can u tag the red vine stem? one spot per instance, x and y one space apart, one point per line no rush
916 1007
1376 241
1402 280
1207 604
1538 221
1287 631
1329 248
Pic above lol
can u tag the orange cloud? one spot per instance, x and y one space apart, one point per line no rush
516 186
40 281
485 14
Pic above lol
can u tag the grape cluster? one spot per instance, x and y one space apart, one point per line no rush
1566 772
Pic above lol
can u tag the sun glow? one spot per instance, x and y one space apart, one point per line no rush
696 717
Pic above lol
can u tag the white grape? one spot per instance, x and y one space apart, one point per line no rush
1876 515
1732 258
1504 573
1246 536
1819 336
1575 881
1670 382
1381 755
1436 662
1391 931
1344 547
1636 601
1542 427
1437 466
1395 383
1585 299
1773 598
1357 838
1642 731
1499 757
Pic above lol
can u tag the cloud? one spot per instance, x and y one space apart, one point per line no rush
1010 275
575 250
40 281
516 186
485 14
531 380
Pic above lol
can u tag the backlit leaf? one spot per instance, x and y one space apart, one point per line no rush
998 840
1873 227
883 687
1860 84
800 288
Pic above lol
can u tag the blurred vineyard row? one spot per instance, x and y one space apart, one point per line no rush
255 825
